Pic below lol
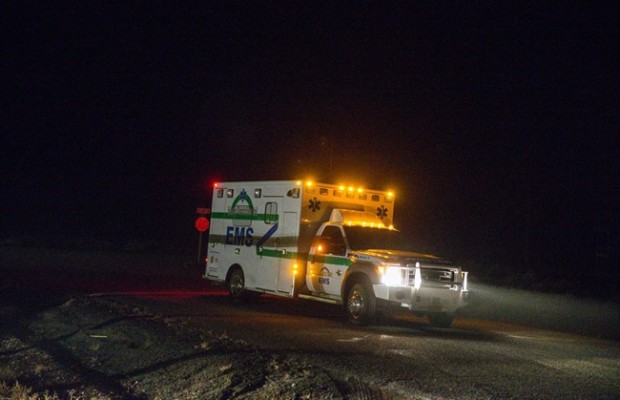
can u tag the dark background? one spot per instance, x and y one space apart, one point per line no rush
496 124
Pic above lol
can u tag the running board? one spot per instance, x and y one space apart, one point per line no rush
316 298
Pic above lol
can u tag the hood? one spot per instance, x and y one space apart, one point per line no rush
398 257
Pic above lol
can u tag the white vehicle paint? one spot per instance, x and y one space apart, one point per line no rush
326 243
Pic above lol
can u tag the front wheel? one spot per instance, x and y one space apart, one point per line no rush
440 320
360 304
236 283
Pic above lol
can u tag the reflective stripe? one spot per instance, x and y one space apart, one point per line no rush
289 255
254 217
335 260
282 242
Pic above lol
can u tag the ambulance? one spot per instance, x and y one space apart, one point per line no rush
327 243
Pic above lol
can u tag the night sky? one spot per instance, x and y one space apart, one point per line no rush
496 123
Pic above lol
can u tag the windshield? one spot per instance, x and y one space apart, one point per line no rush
360 238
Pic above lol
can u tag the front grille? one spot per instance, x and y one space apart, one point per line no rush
431 275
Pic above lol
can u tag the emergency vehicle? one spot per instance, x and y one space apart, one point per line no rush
327 243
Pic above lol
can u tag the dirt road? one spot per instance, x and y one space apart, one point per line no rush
136 326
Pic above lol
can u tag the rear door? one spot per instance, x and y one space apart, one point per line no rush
268 246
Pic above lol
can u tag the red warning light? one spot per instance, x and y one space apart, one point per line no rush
201 224
216 185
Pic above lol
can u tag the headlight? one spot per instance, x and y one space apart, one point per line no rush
393 276
464 274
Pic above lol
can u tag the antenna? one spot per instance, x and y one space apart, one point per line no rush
331 155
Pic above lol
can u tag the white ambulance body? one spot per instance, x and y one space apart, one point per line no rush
327 243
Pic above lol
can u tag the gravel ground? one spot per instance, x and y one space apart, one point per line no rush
93 348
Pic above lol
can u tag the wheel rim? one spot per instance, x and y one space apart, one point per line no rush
236 284
356 304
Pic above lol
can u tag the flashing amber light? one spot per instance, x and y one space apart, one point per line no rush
390 194
309 183
319 248
360 190
351 189
367 224
341 187
295 266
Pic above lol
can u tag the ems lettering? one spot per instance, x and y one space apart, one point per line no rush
239 235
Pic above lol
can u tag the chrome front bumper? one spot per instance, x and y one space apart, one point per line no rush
441 298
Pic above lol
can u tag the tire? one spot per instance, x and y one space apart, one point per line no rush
441 320
360 304
236 284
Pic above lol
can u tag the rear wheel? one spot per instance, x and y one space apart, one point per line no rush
441 320
360 304
236 283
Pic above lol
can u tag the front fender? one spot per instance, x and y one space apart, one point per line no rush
359 270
